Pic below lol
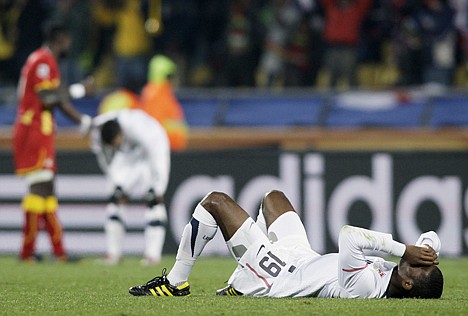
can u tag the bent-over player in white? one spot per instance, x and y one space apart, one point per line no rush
275 259
132 149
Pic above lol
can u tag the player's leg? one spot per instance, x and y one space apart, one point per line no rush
34 206
275 204
155 228
114 227
49 217
54 227
284 226
216 209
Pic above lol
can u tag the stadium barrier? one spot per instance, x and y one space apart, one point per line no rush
400 192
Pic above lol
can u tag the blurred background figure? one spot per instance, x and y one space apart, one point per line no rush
122 45
284 18
132 44
9 13
40 91
343 21
241 44
436 21
75 14
125 97
159 101
29 36
133 151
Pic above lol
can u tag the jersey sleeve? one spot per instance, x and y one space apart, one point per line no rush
46 75
353 273
431 239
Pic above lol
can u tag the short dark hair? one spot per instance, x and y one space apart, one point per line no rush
109 131
54 29
428 285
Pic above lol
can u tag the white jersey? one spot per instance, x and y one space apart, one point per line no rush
143 159
288 267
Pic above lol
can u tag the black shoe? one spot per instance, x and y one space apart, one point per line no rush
160 286
229 291
33 259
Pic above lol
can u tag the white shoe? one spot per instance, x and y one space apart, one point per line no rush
146 261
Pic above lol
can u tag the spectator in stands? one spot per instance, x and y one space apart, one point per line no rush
75 15
9 11
241 40
33 14
343 20
132 44
285 17
461 23
436 20
298 62
159 101
125 97
407 43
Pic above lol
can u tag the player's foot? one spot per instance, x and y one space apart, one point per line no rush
229 291
148 262
32 259
160 286
67 259
109 261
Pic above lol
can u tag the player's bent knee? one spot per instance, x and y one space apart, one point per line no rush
274 194
216 202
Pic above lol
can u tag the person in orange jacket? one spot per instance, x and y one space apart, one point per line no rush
159 101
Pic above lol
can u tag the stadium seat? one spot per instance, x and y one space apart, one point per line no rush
200 112
401 115
274 111
449 111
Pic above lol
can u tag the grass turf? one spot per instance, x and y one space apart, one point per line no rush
86 288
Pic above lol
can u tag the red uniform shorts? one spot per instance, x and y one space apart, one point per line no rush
33 150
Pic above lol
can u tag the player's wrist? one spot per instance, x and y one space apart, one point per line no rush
77 90
85 124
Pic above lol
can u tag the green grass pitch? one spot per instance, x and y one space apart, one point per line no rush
86 288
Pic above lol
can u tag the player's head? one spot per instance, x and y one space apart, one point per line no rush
429 284
111 133
58 37
419 281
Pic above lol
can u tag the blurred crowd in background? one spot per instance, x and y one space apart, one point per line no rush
248 43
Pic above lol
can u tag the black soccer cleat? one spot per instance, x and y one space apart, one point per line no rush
160 286
228 291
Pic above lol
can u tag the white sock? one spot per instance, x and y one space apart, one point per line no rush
114 230
155 231
201 229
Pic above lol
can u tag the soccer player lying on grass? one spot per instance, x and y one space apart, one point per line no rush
275 259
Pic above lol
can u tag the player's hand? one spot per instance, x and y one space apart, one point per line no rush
420 256
85 125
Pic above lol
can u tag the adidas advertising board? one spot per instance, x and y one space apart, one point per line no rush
403 193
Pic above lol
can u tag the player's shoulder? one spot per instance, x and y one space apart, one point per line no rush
41 55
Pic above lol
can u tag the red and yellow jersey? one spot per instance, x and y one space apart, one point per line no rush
34 127
40 72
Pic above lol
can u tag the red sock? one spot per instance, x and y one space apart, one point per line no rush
53 226
33 207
